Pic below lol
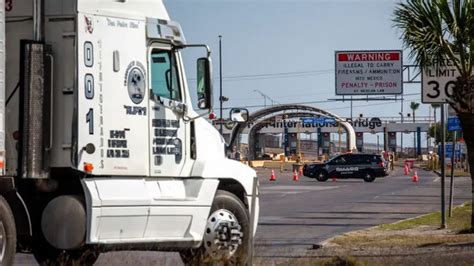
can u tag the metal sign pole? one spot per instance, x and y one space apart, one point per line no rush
451 185
220 83
443 173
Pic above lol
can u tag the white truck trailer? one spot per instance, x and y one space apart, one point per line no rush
100 148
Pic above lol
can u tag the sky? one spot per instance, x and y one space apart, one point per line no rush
285 49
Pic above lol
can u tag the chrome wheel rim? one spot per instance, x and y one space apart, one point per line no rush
223 234
3 241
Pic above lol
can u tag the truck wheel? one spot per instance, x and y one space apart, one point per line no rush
322 176
226 236
7 234
369 177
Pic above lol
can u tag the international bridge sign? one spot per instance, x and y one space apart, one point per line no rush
369 72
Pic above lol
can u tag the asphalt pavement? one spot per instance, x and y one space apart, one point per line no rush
295 215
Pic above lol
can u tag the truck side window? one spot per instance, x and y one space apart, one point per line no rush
164 78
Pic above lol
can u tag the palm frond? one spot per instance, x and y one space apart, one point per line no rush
436 30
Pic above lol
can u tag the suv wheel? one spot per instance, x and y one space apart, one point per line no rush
322 176
369 177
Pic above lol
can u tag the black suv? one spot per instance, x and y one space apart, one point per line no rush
366 166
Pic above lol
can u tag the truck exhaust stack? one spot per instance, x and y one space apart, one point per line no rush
32 110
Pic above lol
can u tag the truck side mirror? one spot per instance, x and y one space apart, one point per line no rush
204 83
239 115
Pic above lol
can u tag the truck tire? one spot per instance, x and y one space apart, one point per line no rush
8 232
228 223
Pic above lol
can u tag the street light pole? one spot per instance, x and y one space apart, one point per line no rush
220 82
265 97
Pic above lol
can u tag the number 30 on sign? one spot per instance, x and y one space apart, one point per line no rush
438 83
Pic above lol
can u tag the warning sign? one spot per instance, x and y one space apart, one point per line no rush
369 72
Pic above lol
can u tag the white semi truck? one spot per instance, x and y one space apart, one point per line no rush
100 148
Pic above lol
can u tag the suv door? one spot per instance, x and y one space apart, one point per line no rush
337 165
364 164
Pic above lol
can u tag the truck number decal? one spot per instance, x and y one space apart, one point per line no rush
90 121
89 83
88 54
8 5
89 86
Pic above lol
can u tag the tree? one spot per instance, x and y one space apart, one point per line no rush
414 106
439 30
435 132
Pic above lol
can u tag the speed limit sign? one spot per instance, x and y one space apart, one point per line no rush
438 81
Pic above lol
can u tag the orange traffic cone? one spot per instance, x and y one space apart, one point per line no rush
273 177
415 177
295 175
406 170
333 179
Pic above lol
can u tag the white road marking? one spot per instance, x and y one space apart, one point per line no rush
296 188
292 190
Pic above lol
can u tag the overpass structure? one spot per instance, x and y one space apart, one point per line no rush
292 120
285 118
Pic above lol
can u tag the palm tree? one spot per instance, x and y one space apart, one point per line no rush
436 30
414 106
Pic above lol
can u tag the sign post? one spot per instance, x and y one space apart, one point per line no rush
369 72
443 170
438 80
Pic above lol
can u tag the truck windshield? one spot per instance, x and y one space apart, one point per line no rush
164 78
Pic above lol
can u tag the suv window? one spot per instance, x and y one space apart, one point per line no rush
375 158
341 159
352 159
359 159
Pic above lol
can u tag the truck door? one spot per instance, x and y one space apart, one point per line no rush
166 125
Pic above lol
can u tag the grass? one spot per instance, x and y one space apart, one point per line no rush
417 232
461 220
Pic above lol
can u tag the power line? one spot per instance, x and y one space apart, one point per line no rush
285 96
273 75
328 101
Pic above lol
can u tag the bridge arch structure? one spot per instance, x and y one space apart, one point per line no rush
260 118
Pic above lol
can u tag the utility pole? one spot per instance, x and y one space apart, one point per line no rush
351 108
220 83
